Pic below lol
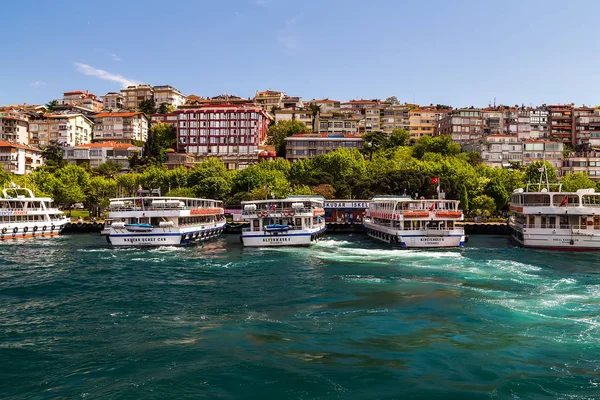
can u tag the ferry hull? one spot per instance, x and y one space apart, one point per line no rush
164 237
28 231
557 241
272 239
418 239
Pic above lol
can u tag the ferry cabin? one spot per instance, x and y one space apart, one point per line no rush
163 220
295 221
26 216
415 223
556 220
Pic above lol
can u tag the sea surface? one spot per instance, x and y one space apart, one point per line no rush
347 318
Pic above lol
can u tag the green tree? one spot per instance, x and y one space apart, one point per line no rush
535 173
373 142
147 106
181 192
399 137
279 132
53 155
108 168
441 144
575 181
51 105
325 190
392 100
210 179
302 190
497 191
483 205
165 108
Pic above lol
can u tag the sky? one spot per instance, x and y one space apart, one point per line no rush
454 52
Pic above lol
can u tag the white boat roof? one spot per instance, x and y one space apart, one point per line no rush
287 199
578 192
162 198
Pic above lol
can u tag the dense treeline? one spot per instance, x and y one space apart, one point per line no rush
342 174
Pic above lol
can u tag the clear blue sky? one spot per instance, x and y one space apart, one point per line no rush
452 52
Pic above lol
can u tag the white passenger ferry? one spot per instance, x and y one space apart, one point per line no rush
556 220
149 220
22 215
415 223
294 221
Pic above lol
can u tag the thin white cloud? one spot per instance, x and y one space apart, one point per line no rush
289 37
89 70
115 57
261 3
37 84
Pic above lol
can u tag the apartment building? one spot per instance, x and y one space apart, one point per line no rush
231 161
305 116
269 99
587 126
561 123
135 94
81 99
587 162
327 105
170 118
121 127
66 129
395 116
463 124
538 122
536 150
113 101
222 129
423 121
294 103
309 145
19 159
165 94
336 124
497 150
14 127
493 121
194 101
95 154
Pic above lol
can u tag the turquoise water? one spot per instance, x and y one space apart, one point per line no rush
347 318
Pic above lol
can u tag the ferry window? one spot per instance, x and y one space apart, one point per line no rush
531 220
564 222
544 221
591 199
552 222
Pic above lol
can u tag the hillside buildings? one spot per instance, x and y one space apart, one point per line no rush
135 94
14 126
309 145
165 94
81 99
113 101
19 159
95 154
269 99
66 129
121 127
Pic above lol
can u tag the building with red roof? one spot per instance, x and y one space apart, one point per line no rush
19 159
121 127
82 99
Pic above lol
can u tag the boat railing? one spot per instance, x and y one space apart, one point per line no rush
264 213
161 208
555 226
290 228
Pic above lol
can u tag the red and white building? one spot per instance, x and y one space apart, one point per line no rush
221 129
14 126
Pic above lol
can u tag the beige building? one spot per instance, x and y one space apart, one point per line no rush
19 159
14 127
327 105
135 94
121 127
304 116
65 129
336 124
395 116
113 101
310 145
81 99
587 162
423 121
497 150
536 150
95 154
269 99
168 95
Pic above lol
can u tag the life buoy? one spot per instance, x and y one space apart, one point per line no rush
25 229
52 228
286 213
292 213
44 228
4 230
15 230
35 228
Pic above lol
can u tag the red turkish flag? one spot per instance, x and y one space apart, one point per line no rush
564 201
432 207
434 181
